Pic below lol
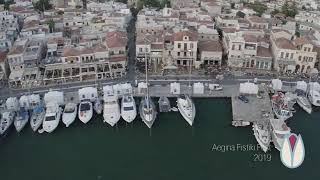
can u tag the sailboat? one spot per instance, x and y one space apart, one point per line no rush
302 99
5 122
147 108
186 106
21 119
128 108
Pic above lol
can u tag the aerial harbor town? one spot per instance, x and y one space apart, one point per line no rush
126 60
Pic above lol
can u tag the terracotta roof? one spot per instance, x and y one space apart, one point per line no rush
250 38
264 52
118 59
229 30
179 36
210 46
284 43
301 41
100 48
68 51
257 19
157 46
16 50
3 56
116 39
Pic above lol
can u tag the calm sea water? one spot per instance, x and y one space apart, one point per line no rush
172 150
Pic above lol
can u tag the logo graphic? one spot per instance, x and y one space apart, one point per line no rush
292 152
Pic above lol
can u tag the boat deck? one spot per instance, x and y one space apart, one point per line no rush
254 111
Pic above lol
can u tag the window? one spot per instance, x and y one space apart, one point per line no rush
184 54
233 46
239 47
309 49
305 49
310 59
299 58
191 46
140 49
287 55
178 53
147 50
291 57
282 54
185 46
179 45
191 53
169 52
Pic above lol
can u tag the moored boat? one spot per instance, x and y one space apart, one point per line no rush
147 110
69 114
85 111
52 117
98 106
279 132
280 108
186 108
111 109
128 108
6 122
262 135
37 117
21 119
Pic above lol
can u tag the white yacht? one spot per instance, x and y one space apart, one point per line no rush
98 106
303 101
262 135
69 114
111 109
186 108
6 122
37 117
314 97
21 119
280 108
85 111
128 108
52 118
147 111
279 132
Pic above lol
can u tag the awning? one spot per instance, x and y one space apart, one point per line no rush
291 67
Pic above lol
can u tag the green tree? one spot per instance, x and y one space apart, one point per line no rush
289 10
42 5
51 25
258 7
122 1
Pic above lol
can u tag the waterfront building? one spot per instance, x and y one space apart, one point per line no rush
210 52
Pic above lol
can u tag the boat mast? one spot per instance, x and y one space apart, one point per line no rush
190 67
146 68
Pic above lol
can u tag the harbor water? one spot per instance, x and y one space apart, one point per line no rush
211 149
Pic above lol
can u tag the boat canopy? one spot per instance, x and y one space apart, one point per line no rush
198 88
314 86
12 104
107 90
248 88
39 109
276 84
279 126
117 89
142 86
126 88
302 85
175 88
54 97
90 93
24 101
34 99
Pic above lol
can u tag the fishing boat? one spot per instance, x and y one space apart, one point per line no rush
21 119
52 117
5 123
98 106
128 108
37 117
279 132
85 111
262 135
303 101
186 108
280 108
164 104
111 109
69 114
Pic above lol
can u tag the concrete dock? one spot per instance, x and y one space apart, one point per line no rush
256 110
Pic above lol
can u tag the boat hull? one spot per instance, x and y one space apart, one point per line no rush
148 119
189 118
20 124
111 117
128 115
304 107
36 120
85 116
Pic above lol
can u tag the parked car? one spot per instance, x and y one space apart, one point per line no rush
243 98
